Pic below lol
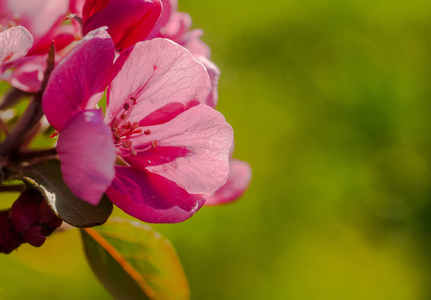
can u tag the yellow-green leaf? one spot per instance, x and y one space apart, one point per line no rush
134 262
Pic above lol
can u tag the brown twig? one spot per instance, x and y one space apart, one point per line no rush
32 154
4 128
13 188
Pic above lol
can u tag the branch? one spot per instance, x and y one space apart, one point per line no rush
13 188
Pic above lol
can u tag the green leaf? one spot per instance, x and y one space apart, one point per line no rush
47 177
134 262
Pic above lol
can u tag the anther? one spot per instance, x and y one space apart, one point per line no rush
126 125
153 144
126 143
133 99
115 123
123 117
117 137
147 132
126 106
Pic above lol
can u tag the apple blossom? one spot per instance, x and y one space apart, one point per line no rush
174 147
42 19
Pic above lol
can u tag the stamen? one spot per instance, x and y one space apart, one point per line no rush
123 130
133 151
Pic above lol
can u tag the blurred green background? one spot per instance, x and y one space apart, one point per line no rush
330 102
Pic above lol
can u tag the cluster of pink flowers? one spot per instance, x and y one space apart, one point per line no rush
160 151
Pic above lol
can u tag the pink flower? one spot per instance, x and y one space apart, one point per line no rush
128 21
174 148
42 19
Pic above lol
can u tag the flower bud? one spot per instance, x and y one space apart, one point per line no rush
32 218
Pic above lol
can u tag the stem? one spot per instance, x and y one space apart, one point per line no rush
4 128
13 188
31 116
28 155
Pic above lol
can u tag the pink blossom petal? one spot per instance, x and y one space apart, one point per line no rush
214 74
87 155
199 142
192 41
151 198
156 73
128 21
79 80
14 43
28 73
169 6
236 184
64 35
179 23
166 113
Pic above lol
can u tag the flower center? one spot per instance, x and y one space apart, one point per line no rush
123 130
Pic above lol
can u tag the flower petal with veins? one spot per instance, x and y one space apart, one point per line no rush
199 142
156 73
